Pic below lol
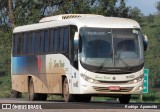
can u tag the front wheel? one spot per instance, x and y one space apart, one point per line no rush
67 96
124 99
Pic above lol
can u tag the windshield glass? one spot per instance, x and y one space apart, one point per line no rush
111 48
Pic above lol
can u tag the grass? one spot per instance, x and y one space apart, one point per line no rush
5 85
54 97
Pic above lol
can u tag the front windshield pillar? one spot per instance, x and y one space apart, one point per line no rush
113 51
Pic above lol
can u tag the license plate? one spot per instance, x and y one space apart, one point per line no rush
114 88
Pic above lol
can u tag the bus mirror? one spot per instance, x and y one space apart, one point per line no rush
76 40
145 42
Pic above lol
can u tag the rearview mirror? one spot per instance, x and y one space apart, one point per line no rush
76 40
145 42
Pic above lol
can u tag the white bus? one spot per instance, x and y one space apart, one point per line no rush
78 56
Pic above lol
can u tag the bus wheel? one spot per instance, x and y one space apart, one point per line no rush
124 99
16 94
32 96
67 96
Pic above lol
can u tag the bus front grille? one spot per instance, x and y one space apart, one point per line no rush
117 82
106 89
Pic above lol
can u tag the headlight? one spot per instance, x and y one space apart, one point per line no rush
86 78
138 79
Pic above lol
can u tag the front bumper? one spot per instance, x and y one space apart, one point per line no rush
99 89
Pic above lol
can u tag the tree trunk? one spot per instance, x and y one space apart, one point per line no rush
11 16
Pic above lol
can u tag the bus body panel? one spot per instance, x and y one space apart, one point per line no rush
46 72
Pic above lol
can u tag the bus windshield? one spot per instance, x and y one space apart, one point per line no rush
111 48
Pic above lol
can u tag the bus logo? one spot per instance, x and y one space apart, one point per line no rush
114 78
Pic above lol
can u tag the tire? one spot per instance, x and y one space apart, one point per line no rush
16 94
66 95
124 99
32 95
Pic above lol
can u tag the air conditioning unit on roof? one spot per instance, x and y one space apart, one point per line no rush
65 16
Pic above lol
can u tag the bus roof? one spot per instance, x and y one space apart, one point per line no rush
80 20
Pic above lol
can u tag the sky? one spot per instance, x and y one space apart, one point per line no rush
146 6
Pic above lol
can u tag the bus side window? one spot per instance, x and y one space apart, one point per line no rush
51 32
46 49
33 42
66 38
25 44
22 43
42 42
61 39
19 44
36 42
56 40
28 44
15 44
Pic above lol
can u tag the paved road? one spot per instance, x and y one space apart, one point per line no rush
57 106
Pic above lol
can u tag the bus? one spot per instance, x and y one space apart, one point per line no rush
78 56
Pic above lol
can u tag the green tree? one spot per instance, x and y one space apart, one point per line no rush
136 14
26 12
158 7
113 8
150 19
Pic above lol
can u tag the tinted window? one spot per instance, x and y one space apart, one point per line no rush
15 44
33 43
66 37
56 40
28 45
22 43
46 41
36 42
42 42
31 50
61 39
51 39
25 44
19 45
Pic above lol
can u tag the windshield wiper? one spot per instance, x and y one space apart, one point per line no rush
128 67
119 58
102 65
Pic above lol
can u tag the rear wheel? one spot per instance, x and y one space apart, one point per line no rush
124 99
67 96
15 94
32 95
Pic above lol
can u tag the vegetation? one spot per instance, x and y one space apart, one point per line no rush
19 12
